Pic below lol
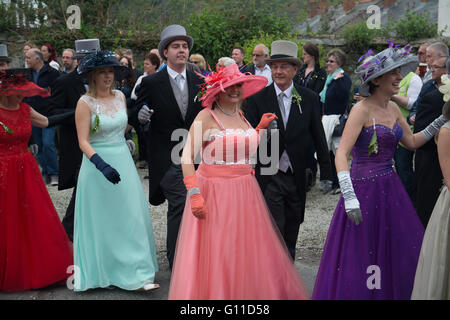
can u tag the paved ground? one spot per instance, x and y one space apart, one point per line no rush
319 210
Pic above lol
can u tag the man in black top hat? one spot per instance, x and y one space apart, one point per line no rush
170 93
298 111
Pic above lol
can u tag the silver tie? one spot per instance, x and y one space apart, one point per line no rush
282 107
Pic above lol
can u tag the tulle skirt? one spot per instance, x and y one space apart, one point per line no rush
34 249
432 281
236 253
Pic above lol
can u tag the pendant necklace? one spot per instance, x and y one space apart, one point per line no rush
231 114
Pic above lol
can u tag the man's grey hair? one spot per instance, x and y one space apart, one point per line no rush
226 61
265 49
71 50
441 49
37 54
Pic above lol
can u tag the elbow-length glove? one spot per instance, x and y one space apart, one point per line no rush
197 202
433 127
109 172
351 203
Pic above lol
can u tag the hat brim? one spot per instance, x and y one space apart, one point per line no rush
164 43
408 65
294 61
29 89
251 84
5 59
120 72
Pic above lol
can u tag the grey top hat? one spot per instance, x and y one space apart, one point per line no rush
283 50
172 33
4 53
385 61
86 46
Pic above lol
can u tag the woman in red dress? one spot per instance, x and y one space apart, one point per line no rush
34 249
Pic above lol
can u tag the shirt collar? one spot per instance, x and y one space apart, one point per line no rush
287 92
173 73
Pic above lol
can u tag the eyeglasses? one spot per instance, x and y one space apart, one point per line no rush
331 61
437 67
257 55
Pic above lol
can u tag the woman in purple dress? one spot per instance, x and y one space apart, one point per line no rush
375 236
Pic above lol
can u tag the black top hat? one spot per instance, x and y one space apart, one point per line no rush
103 59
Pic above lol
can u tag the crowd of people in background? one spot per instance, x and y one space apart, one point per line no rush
390 120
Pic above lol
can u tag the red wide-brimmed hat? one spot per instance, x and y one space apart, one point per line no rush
227 77
17 82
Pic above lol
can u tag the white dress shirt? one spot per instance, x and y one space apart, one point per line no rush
266 72
173 74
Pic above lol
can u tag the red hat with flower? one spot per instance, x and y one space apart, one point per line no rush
227 77
18 82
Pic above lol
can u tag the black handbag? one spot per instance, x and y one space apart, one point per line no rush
339 129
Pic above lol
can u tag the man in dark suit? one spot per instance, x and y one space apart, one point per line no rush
427 169
298 114
66 92
170 93
44 76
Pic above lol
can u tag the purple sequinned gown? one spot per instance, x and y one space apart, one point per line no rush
378 258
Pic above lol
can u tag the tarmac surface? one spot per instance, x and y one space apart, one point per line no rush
312 235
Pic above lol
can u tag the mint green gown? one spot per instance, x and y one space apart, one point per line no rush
113 235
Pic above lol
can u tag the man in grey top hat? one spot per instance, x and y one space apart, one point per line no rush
4 59
170 95
298 111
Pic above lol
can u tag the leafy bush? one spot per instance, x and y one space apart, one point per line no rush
217 29
267 40
414 27
358 36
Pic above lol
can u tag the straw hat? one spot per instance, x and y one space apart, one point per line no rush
18 82
229 76
385 61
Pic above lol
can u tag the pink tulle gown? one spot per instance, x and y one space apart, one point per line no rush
236 252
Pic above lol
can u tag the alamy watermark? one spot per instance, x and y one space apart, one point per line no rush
374 281
374 21
233 149
74 19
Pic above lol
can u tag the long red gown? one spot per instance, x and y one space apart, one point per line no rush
34 249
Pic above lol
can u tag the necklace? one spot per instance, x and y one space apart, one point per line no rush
231 114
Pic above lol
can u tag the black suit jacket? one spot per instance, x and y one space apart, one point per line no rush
428 109
66 92
296 137
46 79
250 68
156 91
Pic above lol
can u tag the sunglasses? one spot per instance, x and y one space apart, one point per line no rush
331 61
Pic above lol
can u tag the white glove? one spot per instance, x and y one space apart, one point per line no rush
34 149
145 114
131 146
351 203
433 127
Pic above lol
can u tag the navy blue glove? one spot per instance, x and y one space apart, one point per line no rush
109 172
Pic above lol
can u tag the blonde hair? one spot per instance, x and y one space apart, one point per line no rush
92 86
200 58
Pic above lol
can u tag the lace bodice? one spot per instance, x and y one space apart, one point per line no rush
230 146
112 118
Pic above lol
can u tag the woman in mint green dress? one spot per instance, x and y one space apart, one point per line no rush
113 235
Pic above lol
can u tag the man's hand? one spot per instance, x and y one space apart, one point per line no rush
145 114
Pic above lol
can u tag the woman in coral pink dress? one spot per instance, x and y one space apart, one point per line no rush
34 249
228 247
